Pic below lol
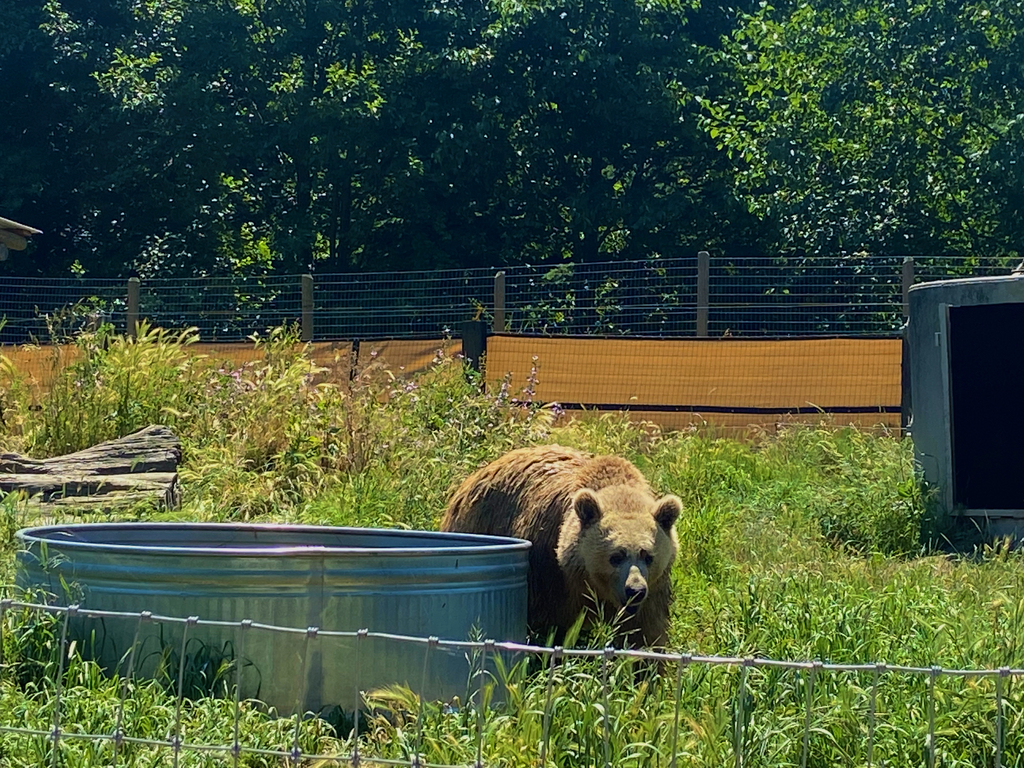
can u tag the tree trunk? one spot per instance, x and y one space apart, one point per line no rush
138 467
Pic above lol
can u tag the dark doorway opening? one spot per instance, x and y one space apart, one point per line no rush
986 370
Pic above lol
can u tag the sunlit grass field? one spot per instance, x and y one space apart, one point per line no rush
815 543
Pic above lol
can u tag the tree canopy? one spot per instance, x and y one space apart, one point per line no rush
166 138
883 127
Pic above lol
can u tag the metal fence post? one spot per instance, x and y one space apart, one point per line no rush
906 393
499 302
907 281
474 342
132 309
307 308
703 291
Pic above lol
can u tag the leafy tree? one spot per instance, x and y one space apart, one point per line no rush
597 96
34 134
117 181
223 137
202 137
878 126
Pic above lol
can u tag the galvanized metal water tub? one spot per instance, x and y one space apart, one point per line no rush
416 583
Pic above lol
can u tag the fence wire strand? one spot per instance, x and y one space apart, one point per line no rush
933 675
681 664
606 659
294 754
360 638
1003 673
311 635
740 713
62 651
811 676
125 683
236 746
176 741
553 657
482 677
779 296
417 756
872 710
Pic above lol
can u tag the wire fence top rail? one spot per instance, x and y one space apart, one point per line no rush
750 296
513 647
809 670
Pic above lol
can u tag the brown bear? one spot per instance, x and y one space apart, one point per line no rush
597 530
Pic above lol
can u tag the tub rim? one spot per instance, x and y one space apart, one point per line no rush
486 543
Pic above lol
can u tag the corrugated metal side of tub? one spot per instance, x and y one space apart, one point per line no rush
414 583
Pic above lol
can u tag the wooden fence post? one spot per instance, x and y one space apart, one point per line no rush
499 302
703 291
132 308
307 308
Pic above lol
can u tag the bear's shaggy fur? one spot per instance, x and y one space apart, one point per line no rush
596 527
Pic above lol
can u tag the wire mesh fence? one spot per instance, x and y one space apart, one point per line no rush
850 297
31 307
222 308
569 710
652 298
400 304
748 297
766 297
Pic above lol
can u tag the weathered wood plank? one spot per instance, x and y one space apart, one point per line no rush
153 449
140 466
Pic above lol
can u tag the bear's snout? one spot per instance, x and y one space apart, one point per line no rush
634 596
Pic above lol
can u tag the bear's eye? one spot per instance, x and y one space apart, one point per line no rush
647 557
617 558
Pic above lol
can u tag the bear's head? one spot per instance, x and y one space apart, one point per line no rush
627 542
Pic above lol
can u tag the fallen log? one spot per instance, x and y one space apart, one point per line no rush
138 467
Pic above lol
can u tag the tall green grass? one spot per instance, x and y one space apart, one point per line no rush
813 544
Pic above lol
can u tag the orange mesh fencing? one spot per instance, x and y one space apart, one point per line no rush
733 383
404 355
40 364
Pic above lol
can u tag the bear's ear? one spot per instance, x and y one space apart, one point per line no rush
667 511
587 507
